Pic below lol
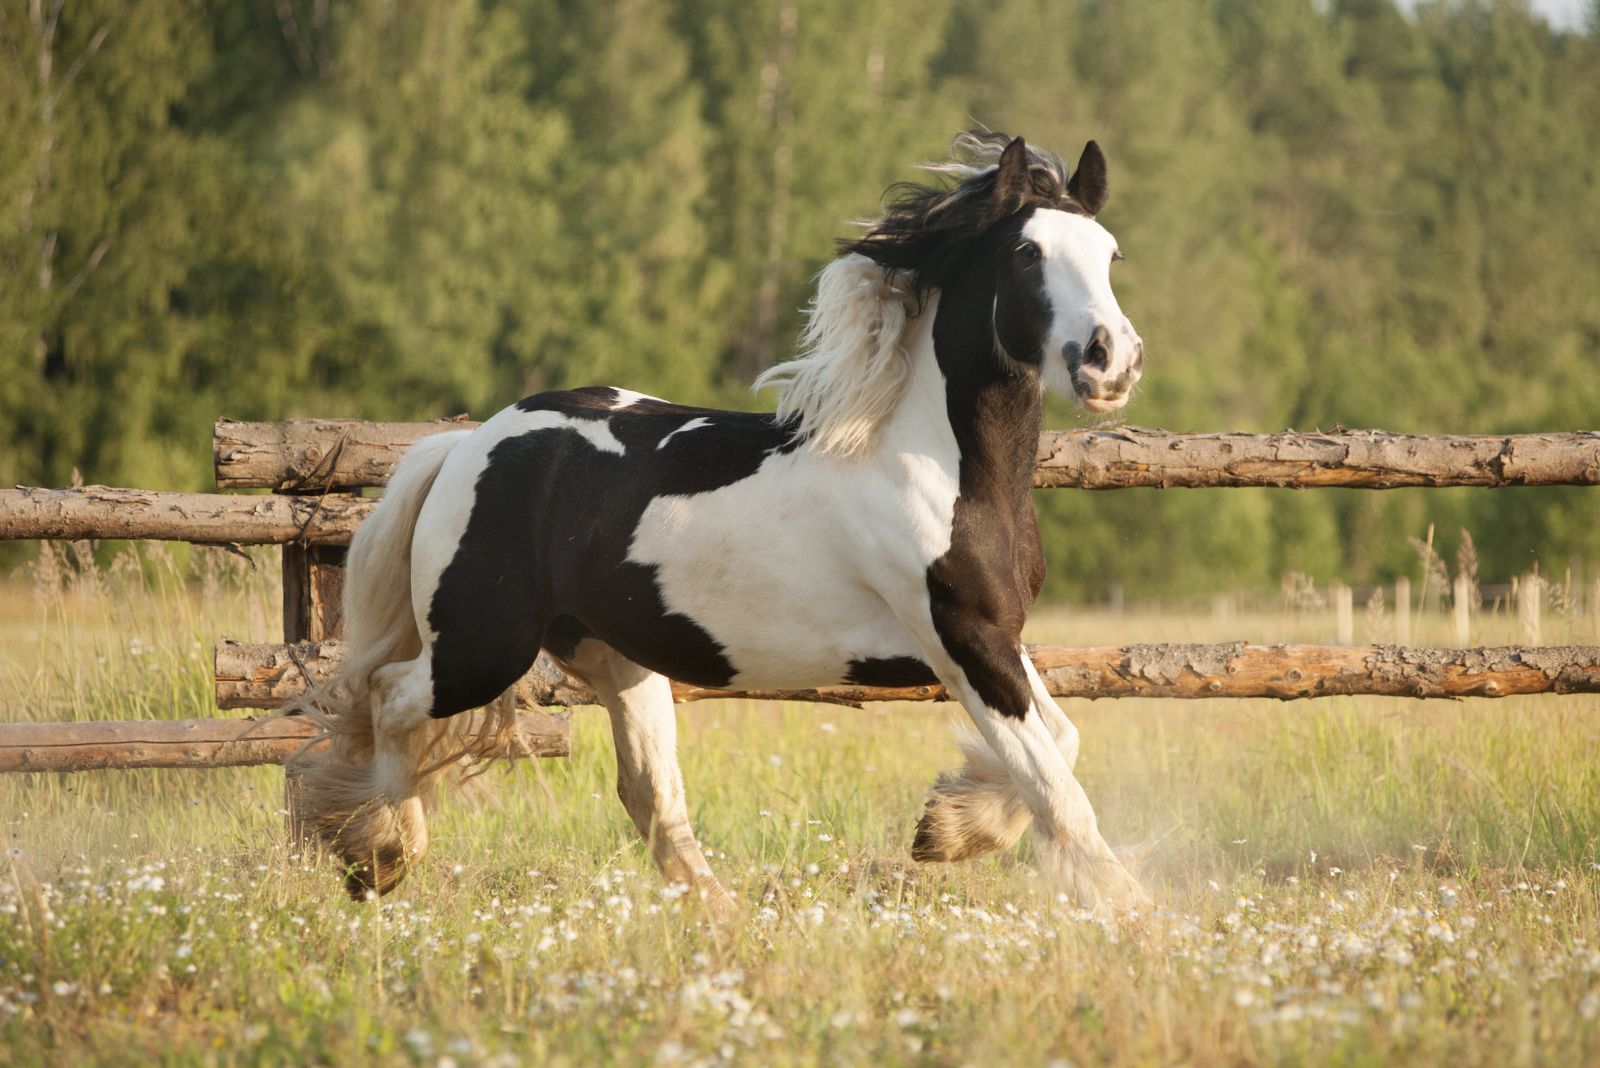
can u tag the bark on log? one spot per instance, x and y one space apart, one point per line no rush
262 676
1290 672
1123 457
266 675
295 455
195 743
202 518
311 455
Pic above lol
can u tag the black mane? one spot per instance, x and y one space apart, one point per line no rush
927 229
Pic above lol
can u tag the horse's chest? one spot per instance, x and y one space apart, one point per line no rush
992 565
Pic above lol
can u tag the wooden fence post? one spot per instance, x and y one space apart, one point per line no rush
1344 614
313 593
313 589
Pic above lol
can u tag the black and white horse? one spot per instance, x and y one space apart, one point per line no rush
877 529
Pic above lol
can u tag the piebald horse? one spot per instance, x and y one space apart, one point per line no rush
876 529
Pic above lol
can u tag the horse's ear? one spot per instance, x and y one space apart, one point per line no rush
1011 181
1088 184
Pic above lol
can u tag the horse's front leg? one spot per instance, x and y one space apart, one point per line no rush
980 809
986 671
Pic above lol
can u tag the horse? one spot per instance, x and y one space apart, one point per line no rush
876 529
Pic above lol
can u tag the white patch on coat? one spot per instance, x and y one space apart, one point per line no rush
694 424
442 523
627 398
792 593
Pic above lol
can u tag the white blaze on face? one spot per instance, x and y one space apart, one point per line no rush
1077 254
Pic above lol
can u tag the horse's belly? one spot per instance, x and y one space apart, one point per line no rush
794 649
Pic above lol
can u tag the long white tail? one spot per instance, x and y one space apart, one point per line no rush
367 809
380 623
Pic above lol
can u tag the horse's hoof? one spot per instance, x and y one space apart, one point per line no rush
374 876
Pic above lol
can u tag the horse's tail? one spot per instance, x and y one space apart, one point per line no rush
358 797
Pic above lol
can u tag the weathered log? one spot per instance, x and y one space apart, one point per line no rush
311 455
202 518
262 676
1129 456
196 743
266 675
1290 672
300 454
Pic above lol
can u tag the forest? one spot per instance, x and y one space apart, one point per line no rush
1334 213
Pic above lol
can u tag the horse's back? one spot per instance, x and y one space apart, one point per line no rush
531 519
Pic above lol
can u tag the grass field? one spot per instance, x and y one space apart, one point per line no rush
1347 881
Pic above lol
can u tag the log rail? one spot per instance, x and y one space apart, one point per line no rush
198 743
314 454
101 512
264 676
1127 457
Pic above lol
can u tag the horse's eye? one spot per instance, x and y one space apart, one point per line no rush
1116 254
1029 252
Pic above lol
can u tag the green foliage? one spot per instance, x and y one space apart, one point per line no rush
1334 213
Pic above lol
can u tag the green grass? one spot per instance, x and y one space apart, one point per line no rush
1356 881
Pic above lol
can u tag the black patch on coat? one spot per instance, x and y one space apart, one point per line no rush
981 588
890 671
563 636
544 555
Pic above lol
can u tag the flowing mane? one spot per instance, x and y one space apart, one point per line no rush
929 229
853 366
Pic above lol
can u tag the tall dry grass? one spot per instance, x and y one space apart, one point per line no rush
1346 881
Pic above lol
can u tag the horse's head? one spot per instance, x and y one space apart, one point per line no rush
1053 302
1020 232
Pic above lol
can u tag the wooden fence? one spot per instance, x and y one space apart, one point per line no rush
315 470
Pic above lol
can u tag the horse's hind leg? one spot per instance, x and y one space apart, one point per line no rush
644 727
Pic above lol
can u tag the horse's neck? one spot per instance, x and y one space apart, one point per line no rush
987 415
920 423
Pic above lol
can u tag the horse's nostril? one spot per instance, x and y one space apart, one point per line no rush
1138 358
1097 353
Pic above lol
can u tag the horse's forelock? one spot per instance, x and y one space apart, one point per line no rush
925 228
